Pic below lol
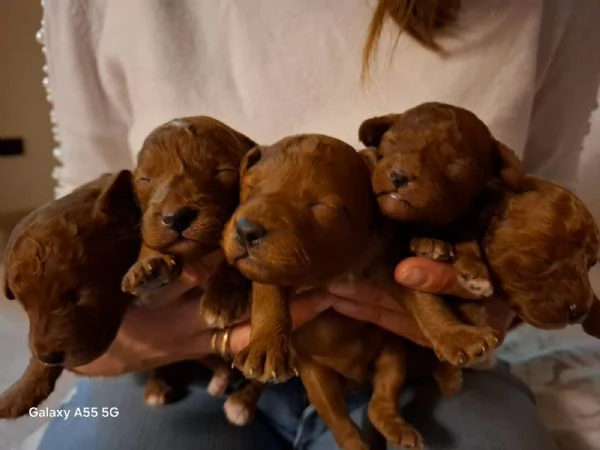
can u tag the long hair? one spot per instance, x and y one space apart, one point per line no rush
421 19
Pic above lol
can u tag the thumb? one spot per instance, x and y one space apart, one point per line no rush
426 275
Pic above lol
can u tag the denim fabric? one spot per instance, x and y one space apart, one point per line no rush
494 411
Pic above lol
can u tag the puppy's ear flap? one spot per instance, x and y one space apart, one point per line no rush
370 156
7 292
117 199
507 166
372 130
591 324
251 158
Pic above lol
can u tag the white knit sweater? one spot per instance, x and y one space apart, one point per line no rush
529 68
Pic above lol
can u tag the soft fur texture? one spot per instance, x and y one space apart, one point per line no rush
187 185
307 217
64 264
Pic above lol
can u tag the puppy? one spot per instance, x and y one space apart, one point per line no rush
187 185
428 166
539 245
306 218
64 265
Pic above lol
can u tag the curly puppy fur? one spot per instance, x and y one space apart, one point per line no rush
187 185
57 267
307 217
540 245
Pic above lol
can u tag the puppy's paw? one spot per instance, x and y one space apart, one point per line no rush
158 392
147 275
222 310
462 344
401 434
479 286
268 359
432 249
237 412
219 382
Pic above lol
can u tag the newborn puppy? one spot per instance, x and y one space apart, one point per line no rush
428 165
539 245
307 217
64 264
187 185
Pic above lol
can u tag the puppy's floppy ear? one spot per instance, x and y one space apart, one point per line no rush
372 130
251 158
7 292
507 166
117 199
591 324
370 156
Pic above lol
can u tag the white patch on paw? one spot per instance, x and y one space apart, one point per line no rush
155 400
477 286
236 413
217 385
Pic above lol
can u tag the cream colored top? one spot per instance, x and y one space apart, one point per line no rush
116 69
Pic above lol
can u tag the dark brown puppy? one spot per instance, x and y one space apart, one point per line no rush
64 265
307 217
539 245
187 185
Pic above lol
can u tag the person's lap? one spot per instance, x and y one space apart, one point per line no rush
493 412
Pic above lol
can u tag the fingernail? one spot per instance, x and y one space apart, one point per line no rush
342 290
415 277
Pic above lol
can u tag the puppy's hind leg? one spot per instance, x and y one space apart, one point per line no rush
389 377
166 384
325 391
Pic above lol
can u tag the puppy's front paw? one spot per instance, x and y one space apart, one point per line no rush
147 275
479 286
158 392
269 359
432 249
462 344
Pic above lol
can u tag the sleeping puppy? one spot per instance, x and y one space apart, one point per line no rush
428 166
539 245
187 185
306 218
64 264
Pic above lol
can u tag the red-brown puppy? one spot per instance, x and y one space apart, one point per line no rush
64 265
307 217
187 185
539 245
428 165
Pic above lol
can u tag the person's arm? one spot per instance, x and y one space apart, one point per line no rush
568 82
90 120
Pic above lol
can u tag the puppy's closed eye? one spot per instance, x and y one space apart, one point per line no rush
227 174
142 181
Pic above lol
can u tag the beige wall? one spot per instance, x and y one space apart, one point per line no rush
25 182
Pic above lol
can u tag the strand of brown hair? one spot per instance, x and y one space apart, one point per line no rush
421 19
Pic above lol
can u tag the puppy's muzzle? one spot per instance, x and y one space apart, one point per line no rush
249 233
577 314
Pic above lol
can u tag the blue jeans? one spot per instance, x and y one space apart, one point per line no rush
494 411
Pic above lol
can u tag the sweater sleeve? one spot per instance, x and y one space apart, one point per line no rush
566 92
91 134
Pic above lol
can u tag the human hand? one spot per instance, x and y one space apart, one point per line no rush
372 304
176 331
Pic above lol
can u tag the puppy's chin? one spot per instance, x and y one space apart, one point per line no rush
395 207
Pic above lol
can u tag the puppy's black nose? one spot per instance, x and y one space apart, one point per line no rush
576 314
52 358
180 220
249 233
398 179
